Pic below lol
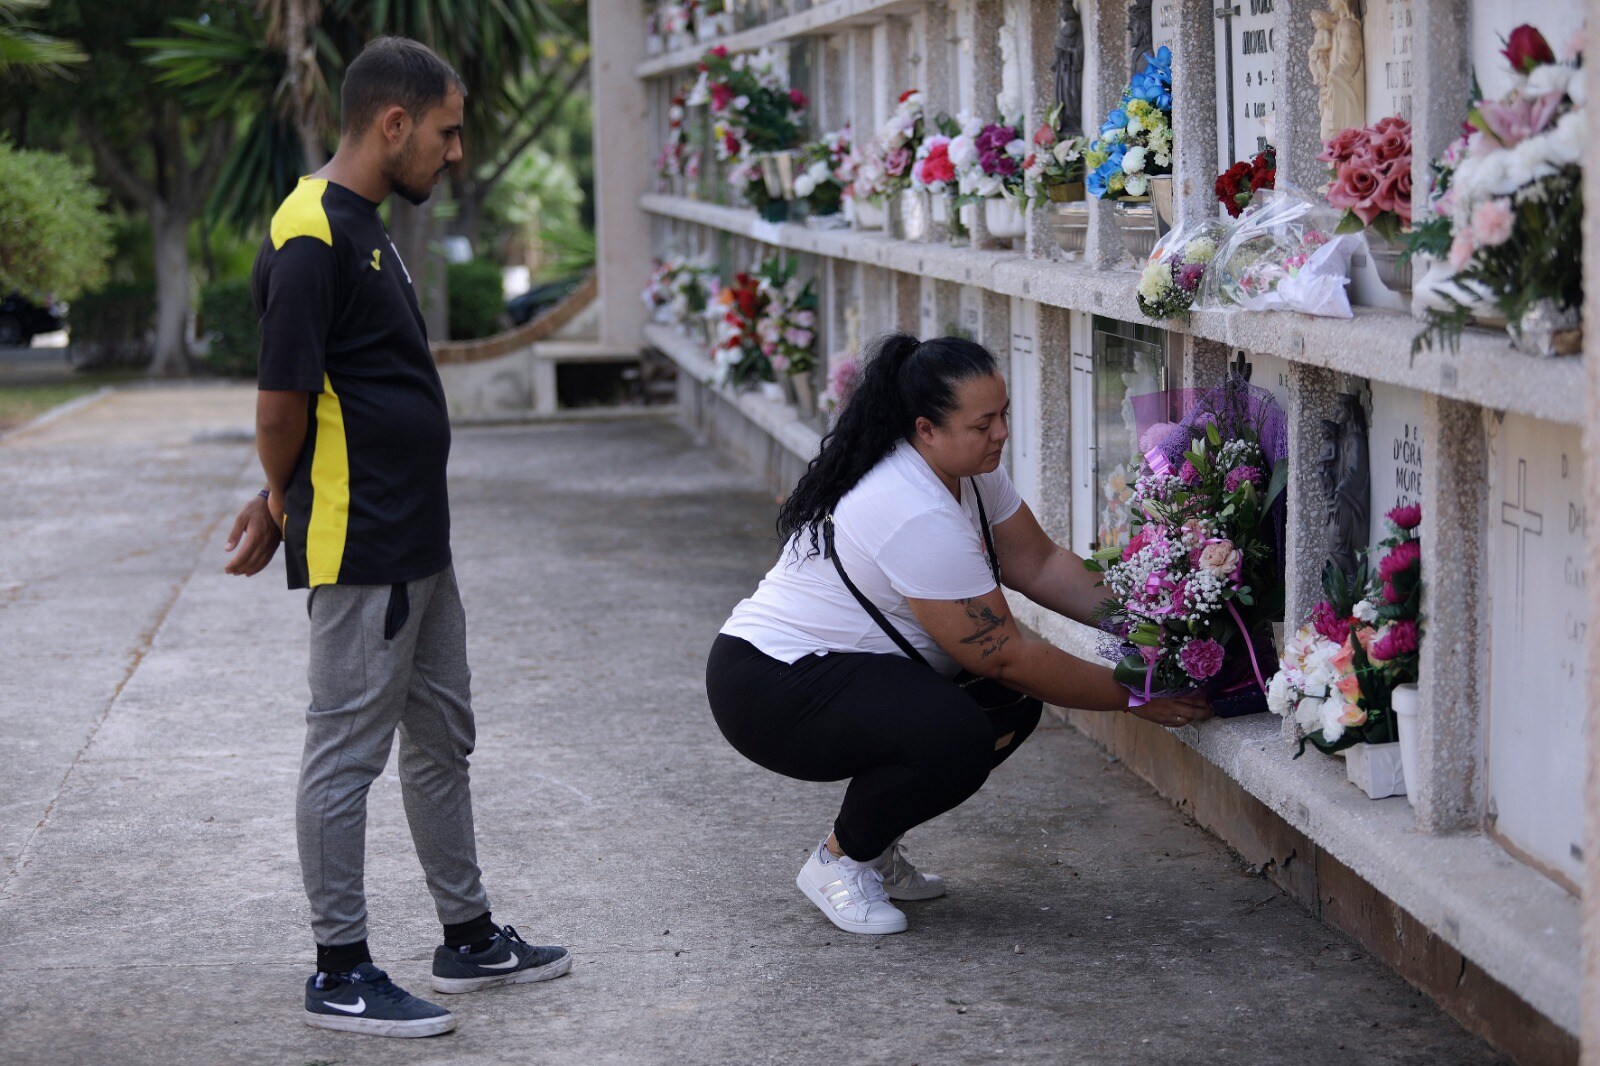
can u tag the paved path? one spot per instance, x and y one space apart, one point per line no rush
151 709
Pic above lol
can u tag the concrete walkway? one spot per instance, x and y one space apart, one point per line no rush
151 710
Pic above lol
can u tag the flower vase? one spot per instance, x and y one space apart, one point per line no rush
908 218
1403 702
1070 221
868 215
773 390
1548 329
1161 200
1066 192
775 211
940 208
805 392
710 27
783 163
1002 218
1376 769
1137 221
1391 263
770 177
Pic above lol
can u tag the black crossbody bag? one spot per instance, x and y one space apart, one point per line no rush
988 693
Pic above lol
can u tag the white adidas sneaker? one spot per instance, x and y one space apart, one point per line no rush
903 881
850 893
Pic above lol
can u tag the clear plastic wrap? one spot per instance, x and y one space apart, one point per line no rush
1173 275
1283 255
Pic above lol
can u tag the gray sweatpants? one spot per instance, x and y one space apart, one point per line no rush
363 689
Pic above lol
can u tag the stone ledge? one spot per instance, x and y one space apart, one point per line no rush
778 420
1376 344
819 19
1519 927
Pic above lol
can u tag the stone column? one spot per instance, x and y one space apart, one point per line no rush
863 111
1297 117
984 43
1105 28
1313 394
1052 345
621 111
1194 113
1442 60
1040 22
906 292
1205 363
1451 696
1590 1035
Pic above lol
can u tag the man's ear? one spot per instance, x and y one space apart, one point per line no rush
394 123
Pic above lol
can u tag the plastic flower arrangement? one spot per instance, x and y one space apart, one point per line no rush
1135 141
1238 185
1339 671
1372 177
828 169
1508 205
675 146
884 168
1171 278
681 290
1190 593
786 325
933 171
751 99
1055 162
990 160
736 345
844 372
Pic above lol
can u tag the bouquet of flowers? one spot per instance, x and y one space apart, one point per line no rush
1135 141
933 171
1172 276
1283 256
1238 185
1191 592
828 169
990 160
1055 164
736 345
1372 177
1339 670
681 290
674 157
844 372
751 99
884 169
787 320
1509 196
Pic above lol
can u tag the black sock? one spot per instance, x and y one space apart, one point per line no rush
342 958
474 934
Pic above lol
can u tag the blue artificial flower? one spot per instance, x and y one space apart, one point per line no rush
1115 122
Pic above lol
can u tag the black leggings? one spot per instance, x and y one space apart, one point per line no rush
912 742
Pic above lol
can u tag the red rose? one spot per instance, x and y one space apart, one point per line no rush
908 94
1391 145
798 99
720 51
1353 190
1394 193
730 144
721 94
1527 49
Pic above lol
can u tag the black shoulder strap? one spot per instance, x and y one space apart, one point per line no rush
988 537
871 608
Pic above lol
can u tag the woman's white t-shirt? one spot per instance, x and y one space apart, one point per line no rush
899 533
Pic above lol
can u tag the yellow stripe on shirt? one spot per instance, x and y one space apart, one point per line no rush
302 215
330 492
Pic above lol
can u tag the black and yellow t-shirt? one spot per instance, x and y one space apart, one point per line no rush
367 504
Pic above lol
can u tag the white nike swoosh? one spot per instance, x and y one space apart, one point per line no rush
359 1007
512 961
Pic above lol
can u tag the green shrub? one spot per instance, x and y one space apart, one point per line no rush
477 299
229 317
114 327
54 237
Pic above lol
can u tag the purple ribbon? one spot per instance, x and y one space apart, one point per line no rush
1254 665
1158 461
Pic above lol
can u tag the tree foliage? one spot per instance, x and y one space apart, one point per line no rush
55 237
25 53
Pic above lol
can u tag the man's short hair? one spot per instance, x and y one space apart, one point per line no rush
394 72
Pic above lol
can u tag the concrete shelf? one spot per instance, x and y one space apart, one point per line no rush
831 15
1376 344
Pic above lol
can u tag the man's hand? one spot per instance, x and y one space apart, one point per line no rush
1173 712
256 533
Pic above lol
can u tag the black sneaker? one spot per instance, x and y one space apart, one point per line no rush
508 960
366 1001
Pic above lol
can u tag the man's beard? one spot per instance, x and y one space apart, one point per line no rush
399 175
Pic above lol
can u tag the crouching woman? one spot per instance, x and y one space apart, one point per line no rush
880 648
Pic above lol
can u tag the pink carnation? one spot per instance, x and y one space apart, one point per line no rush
1330 623
1239 475
1188 474
1406 517
1492 223
1401 557
1201 659
1400 638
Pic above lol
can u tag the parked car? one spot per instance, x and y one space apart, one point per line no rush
523 309
21 318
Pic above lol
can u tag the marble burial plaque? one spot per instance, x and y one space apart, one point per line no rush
1538 616
1394 448
1246 44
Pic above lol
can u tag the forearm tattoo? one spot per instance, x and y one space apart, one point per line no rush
986 627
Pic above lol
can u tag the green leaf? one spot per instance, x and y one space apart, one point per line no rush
1131 670
1213 435
1146 636
1280 478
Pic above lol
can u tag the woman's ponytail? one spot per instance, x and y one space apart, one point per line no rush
902 379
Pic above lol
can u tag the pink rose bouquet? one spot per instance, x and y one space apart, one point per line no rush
1372 177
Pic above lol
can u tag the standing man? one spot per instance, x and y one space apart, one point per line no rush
353 434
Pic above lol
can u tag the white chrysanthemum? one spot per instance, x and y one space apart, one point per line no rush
1278 693
963 152
1155 282
1133 162
1548 78
1137 185
1200 250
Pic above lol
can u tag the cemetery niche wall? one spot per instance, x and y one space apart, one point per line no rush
966 206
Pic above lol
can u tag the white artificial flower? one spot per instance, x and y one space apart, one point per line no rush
1134 125
1155 282
1017 149
1577 88
1365 611
963 151
805 185
1133 162
1549 78
1308 713
1278 693
1200 250
701 93
1066 151
1136 185
1566 139
1332 709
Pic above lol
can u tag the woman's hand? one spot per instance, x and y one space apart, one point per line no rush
1173 712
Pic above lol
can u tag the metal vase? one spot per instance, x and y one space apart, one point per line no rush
1393 271
1548 329
1137 221
769 177
1070 223
1161 200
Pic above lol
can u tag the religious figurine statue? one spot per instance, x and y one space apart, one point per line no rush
1339 68
1349 506
1069 69
1139 33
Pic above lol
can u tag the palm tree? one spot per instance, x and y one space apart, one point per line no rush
26 53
